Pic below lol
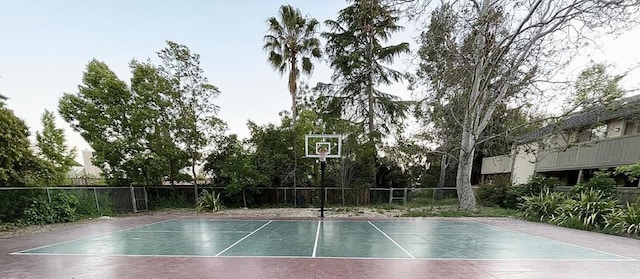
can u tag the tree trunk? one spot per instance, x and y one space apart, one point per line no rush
370 104
466 196
293 91
195 179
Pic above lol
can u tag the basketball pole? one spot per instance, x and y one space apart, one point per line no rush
323 165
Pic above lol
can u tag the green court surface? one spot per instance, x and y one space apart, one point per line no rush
324 239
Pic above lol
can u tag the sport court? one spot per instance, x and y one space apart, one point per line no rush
324 239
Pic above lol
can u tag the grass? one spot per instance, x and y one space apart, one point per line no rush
453 211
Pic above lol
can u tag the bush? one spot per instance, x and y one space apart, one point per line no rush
173 200
87 204
493 193
587 211
625 220
543 206
601 181
208 200
40 211
539 183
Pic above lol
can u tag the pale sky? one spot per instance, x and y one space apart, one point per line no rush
47 44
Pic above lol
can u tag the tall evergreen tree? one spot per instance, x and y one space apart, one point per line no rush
54 151
361 64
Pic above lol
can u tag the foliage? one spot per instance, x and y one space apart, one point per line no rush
151 129
40 211
456 212
588 210
625 220
494 193
172 200
210 201
86 206
233 167
540 183
32 206
53 150
543 206
601 181
359 60
192 100
594 83
479 56
631 171
291 43
18 165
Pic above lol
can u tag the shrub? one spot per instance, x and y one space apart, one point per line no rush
87 204
625 220
172 200
543 206
631 171
587 211
493 193
40 211
601 181
208 200
539 183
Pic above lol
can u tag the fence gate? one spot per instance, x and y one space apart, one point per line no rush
139 199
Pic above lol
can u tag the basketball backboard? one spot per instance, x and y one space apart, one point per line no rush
317 142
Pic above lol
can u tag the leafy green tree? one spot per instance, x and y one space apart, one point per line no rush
18 165
54 150
233 166
595 83
161 157
133 129
355 50
100 112
193 101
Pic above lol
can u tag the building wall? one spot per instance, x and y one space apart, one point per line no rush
496 164
90 169
524 163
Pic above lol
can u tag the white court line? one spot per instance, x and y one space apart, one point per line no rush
241 239
23 252
394 242
315 245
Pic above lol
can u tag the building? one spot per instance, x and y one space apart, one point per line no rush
600 137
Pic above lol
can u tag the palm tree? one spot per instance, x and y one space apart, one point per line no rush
291 43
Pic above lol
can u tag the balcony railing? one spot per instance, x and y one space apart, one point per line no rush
601 154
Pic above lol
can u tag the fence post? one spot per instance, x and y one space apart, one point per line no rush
48 195
390 195
133 199
146 199
95 195
404 200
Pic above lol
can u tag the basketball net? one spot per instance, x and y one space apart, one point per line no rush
323 155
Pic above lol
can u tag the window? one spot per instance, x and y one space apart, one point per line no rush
590 134
631 128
